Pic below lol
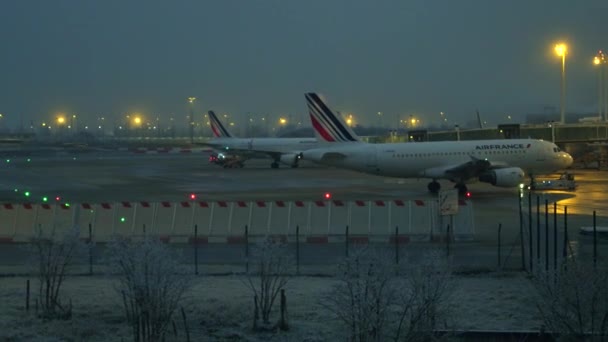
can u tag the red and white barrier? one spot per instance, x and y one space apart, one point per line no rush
319 221
168 150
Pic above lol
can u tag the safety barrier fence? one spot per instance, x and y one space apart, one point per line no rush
320 221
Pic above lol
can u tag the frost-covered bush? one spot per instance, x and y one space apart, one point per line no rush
151 284
271 267
53 254
377 301
573 301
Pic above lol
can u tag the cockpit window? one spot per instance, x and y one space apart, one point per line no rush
556 149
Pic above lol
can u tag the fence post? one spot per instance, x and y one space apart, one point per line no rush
594 241
397 245
90 249
499 256
555 236
196 249
447 240
346 242
565 250
538 230
546 235
530 234
283 325
246 249
298 250
27 295
521 231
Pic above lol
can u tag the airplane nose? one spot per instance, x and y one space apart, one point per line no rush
567 159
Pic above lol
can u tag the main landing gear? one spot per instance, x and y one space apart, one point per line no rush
532 185
462 189
434 187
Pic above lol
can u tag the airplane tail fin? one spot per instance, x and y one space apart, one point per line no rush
328 126
219 131
479 122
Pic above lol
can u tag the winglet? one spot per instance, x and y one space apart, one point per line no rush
328 126
219 131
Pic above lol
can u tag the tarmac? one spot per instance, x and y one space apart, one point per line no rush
126 176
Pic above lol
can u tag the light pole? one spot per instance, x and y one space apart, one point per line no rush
191 120
600 61
561 49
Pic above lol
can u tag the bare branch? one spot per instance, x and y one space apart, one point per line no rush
150 284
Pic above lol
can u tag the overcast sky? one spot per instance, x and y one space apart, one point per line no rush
399 57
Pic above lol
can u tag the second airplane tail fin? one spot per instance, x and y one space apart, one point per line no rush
328 126
219 131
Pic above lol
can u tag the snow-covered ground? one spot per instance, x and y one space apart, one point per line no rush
220 308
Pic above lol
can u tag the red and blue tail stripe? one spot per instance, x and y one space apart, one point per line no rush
216 126
326 123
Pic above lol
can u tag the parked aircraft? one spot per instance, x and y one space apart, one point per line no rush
502 163
281 150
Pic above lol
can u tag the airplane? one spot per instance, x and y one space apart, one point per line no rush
281 150
502 163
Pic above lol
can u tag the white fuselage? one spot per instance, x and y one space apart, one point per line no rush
432 159
264 145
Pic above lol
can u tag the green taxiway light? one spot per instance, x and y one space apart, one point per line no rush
27 194
122 219
8 160
16 190
29 160
45 199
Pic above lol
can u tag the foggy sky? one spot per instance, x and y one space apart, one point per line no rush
399 57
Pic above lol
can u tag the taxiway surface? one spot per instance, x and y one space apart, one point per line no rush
114 176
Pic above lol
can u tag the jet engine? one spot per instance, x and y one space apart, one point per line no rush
505 178
291 159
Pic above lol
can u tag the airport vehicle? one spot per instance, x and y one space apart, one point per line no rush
502 163
600 231
227 161
281 150
564 182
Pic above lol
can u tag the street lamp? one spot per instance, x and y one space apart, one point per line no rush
349 120
191 121
137 121
600 61
561 50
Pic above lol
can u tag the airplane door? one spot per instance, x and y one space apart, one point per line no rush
541 153
371 161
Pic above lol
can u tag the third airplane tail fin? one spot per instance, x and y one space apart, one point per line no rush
328 126
219 131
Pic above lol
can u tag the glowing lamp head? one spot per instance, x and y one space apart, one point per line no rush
561 49
596 60
327 195
193 196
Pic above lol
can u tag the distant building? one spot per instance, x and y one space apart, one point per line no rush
543 118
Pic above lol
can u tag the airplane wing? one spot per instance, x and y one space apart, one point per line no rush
464 171
469 169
